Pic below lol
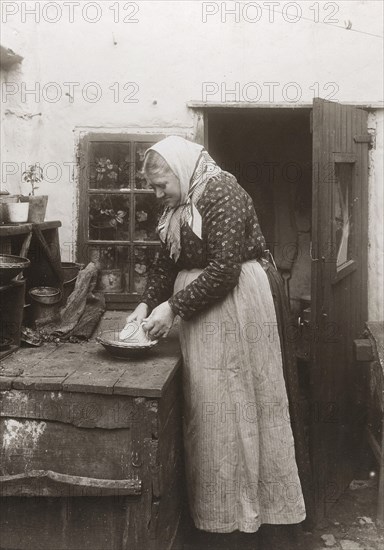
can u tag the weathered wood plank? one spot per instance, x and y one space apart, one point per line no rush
146 379
10 230
88 367
96 379
169 458
172 395
94 372
46 483
53 383
82 410
27 358
168 517
338 295
150 376
25 247
45 372
137 523
85 523
363 349
38 445
374 105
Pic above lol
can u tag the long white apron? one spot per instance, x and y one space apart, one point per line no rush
239 450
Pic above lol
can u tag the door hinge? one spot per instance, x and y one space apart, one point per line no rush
364 138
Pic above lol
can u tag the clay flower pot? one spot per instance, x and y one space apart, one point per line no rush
37 207
111 280
5 198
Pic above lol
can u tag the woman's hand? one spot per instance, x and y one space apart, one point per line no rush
160 321
140 313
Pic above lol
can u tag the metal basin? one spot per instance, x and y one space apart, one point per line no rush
11 266
45 294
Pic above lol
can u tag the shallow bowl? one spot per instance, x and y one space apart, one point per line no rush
122 349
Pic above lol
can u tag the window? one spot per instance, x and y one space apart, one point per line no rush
118 214
344 212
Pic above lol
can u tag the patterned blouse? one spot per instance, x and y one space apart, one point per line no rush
230 235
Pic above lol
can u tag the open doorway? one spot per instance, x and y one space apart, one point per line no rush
270 153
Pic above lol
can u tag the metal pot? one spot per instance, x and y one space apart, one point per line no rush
11 266
45 304
45 294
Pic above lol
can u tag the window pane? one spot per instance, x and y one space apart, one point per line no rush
110 165
342 212
109 217
113 263
140 148
144 258
147 213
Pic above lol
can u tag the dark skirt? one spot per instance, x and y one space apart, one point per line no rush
284 323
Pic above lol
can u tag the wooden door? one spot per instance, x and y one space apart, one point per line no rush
339 292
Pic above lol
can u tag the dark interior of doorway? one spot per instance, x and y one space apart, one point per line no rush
270 153
269 150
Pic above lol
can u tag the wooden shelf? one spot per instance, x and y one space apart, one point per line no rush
8 230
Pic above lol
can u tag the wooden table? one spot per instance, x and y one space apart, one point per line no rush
24 230
91 449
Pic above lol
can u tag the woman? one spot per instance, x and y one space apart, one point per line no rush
239 450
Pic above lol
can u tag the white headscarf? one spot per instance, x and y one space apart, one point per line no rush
194 168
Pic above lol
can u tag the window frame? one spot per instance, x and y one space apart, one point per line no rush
114 300
343 270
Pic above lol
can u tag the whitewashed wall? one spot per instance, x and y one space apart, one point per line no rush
376 226
173 52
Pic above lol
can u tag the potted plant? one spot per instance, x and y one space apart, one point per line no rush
105 222
37 203
108 175
111 277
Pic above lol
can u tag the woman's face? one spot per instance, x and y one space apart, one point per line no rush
167 188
